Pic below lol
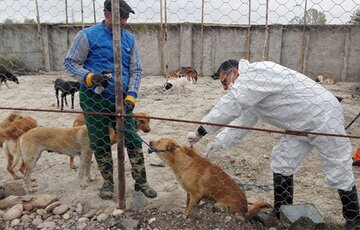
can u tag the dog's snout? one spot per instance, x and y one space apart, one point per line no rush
147 130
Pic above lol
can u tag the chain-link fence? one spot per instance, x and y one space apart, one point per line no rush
242 72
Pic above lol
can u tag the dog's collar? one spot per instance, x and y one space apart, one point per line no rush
155 150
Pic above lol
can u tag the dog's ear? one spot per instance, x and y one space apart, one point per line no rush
172 146
13 116
168 86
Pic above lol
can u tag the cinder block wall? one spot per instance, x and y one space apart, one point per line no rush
331 50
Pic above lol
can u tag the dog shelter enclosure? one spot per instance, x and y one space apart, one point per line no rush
312 37
199 34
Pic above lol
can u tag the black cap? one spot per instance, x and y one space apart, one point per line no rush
124 7
227 65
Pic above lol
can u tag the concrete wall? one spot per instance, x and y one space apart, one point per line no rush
331 50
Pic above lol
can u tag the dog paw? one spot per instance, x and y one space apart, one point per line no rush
18 177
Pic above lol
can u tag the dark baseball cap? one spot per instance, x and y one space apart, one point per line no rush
227 65
124 7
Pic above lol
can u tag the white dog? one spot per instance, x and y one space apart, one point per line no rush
177 84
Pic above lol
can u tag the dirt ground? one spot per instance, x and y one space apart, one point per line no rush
249 161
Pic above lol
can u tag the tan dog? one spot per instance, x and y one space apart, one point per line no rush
142 122
185 71
11 143
5 123
69 141
203 180
325 80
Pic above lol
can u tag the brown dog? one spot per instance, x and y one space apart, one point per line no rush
325 80
11 144
203 180
69 141
5 123
185 71
142 122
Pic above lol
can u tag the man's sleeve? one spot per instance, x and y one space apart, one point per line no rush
76 56
135 72
231 136
225 111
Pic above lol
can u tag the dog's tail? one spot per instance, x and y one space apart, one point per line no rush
255 208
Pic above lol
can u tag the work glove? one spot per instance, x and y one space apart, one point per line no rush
193 137
211 148
102 79
129 103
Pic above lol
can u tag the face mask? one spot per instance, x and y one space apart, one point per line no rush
230 86
231 83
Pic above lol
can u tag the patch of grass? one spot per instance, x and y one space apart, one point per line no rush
12 62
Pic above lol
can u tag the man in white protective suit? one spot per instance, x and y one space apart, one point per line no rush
288 100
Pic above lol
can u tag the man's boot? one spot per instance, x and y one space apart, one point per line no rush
136 158
105 164
350 208
283 191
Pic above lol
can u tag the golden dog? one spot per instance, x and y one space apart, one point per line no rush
69 141
11 144
185 71
325 80
203 180
142 122
5 123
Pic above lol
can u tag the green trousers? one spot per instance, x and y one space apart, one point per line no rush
98 129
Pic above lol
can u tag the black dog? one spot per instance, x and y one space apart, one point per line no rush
5 75
66 87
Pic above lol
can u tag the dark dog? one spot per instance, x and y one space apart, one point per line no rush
66 87
5 76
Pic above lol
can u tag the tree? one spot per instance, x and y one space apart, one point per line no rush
355 18
29 21
313 17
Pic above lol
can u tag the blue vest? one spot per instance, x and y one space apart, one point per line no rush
101 55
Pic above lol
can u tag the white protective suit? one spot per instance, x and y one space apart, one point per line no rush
290 101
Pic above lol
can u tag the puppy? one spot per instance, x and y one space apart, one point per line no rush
66 87
11 143
142 122
5 123
6 75
69 141
325 80
203 180
186 71
176 84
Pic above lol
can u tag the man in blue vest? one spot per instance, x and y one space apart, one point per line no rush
90 60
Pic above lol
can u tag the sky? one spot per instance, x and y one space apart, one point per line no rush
148 11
